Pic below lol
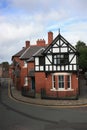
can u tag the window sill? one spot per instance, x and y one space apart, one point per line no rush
24 66
54 89
25 84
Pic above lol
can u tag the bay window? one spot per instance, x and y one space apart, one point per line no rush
61 81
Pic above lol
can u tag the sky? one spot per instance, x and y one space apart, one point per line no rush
22 20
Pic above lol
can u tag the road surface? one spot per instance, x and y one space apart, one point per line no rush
20 116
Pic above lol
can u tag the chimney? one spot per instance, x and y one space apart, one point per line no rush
27 44
40 42
50 37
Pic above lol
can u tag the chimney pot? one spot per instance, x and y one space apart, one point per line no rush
40 42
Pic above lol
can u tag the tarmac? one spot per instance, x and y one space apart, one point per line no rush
16 95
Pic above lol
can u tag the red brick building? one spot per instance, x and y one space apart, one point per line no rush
23 64
48 68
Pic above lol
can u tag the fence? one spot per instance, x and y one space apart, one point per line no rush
44 95
28 93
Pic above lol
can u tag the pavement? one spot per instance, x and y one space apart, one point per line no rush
16 95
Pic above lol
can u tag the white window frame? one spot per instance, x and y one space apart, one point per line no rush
25 64
53 82
69 82
61 89
26 81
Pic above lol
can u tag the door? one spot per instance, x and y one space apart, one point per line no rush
33 83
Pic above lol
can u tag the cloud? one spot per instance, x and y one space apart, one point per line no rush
22 20
35 6
13 35
31 5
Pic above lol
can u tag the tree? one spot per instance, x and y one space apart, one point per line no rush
82 60
80 44
5 66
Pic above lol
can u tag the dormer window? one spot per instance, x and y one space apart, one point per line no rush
61 59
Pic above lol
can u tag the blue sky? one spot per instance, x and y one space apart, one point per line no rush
22 20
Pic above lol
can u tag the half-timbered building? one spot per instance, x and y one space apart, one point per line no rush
49 69
57 69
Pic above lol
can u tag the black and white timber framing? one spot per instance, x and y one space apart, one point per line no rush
59 56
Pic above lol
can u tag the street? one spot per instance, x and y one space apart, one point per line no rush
13 119
20 116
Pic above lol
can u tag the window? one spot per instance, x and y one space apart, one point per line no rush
68 81
61 81
25 64
61 59
54 81
17 72
41 61
26 81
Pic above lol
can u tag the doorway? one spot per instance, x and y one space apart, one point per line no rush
33 83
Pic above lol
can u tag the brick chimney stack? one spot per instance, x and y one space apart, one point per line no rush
40 42
27 44
50 37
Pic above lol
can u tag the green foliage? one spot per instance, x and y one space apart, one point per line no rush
5 66
82 60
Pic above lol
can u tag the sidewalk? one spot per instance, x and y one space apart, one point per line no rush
44 102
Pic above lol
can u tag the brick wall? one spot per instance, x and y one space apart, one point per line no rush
39 81
30 68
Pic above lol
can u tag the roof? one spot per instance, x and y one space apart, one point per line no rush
30 52
39 52
18 54
59 38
